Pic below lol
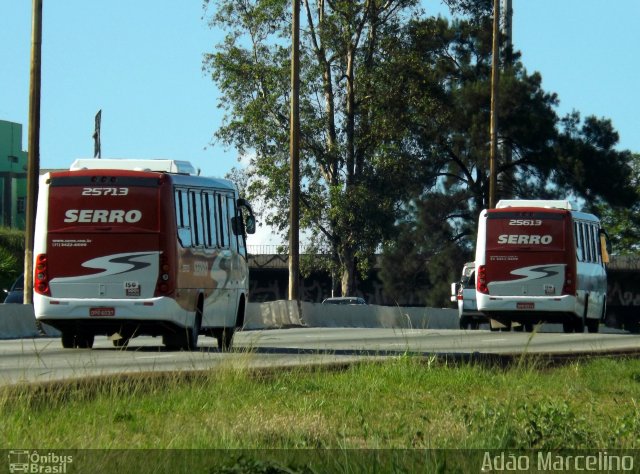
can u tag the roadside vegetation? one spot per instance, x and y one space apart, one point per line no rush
11 256
406 403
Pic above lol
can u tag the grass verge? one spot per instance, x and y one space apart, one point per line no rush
403 403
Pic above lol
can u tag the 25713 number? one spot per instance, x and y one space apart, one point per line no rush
105 191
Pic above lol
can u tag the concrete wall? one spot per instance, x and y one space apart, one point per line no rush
18 320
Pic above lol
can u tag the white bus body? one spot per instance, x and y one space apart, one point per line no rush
140 247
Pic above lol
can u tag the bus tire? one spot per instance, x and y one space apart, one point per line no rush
578 325
185 338
225 338
85 341
191 339
593 325
77 341
68 340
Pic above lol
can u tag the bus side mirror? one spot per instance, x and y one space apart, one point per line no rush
239 227
250 225
250 220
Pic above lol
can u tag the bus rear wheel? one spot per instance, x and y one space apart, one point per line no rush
72 340
593 325
575 325
224 337
186 338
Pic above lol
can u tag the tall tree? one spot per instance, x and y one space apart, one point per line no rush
622 222
550 157
353 170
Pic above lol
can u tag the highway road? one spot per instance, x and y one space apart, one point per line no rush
44 359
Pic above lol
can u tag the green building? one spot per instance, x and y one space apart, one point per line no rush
13 176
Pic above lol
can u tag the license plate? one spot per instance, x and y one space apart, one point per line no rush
525 305
102 311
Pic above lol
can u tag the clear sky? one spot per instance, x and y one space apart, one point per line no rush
140 61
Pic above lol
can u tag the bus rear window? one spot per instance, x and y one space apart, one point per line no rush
540 231
128 206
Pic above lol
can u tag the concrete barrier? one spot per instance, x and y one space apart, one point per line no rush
372 316
17 320
273 314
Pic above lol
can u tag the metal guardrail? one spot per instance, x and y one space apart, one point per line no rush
268 249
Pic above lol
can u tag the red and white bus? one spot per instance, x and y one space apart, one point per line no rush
140 247
541 261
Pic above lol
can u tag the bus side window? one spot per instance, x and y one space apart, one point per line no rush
231 213
594 243
211 234
591 237
182 217
585 245
223 220
578 237
196 218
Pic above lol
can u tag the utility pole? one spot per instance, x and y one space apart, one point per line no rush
97 147
33 164
495 78
506 32
294 154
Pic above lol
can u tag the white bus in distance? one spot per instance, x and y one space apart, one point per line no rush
140 247
541 261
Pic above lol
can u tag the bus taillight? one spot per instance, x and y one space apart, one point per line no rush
569 286
482 280
165 285
41 282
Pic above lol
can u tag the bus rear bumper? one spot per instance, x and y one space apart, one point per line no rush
527 309
151 316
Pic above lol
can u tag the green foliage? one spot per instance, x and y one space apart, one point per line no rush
543 425
394 113
426 257
11 256
352 174
427 404
246 465
623 222
542 156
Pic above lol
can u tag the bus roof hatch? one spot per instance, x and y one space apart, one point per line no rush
166 166
548 203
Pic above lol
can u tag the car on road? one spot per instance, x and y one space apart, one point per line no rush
15 293
349 300
464 293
